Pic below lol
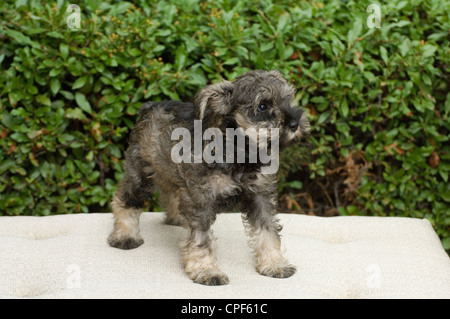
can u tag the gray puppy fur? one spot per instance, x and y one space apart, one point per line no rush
192 194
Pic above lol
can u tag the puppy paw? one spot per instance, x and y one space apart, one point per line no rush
175 221
125 243
278 272
212 278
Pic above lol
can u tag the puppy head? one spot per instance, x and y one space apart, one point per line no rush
256 99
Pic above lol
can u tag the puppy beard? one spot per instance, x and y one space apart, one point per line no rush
289 137
263 143
269 150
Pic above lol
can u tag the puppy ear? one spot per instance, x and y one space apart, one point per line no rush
277 74
215 97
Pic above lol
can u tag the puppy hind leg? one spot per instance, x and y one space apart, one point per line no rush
127 206
170 201
125 234
129 200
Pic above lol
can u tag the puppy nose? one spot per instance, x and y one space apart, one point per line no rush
293 125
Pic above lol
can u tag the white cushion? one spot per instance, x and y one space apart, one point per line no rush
340 257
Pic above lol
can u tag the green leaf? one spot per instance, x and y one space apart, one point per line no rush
447 104
83 102
64 49
419 104
90 156
80 82
68 95
266 46
55 85
54 72
119 8
180 58
404 47
282 22
111 62
343 109
20 137
295 184
232 61
75 114
288 51
135 52
369 76
20 38
55 34
42 99
401 5
383 54
446 243
20 3
323 117
437 36
443 172
428 50
355 31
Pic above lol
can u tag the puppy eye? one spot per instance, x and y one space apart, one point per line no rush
263 107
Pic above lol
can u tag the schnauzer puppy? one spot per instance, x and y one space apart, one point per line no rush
193 193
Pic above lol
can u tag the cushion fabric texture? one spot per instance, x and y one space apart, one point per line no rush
67 256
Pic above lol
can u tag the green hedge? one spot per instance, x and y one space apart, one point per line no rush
378 99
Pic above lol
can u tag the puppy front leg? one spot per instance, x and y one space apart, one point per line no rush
200 259
269 258
263 230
